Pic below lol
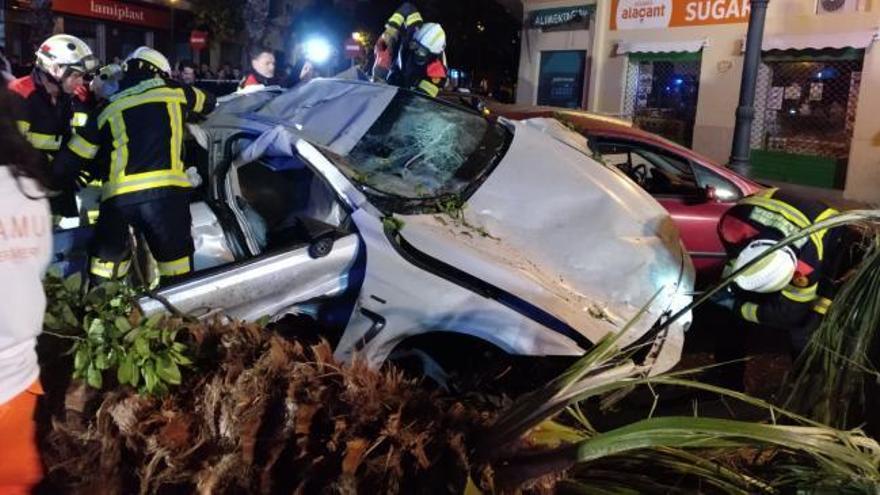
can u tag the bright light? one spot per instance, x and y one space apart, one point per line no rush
317 50
358 36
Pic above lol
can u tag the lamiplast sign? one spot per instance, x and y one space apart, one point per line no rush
658 14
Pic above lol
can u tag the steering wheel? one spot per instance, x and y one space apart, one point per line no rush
639 173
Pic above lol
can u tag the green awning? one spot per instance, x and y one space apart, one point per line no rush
666 57
825 55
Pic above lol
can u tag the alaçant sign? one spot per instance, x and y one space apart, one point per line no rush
561 17
658 14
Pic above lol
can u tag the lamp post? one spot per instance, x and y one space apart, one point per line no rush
173 41
745 112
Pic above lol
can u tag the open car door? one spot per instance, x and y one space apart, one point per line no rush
295 244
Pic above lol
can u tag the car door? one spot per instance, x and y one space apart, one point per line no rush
677 184
301 260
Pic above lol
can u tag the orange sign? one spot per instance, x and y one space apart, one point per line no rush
660 14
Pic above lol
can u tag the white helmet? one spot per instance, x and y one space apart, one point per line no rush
771 274
432 37
62 52
152 57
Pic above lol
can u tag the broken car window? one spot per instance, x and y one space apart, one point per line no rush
420 148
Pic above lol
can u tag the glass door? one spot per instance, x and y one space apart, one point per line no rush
561 79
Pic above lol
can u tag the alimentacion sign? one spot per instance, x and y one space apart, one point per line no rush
558 17
658 14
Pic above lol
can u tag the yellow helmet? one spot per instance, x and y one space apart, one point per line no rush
152 57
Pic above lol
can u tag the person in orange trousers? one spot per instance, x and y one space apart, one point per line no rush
20 466
25 251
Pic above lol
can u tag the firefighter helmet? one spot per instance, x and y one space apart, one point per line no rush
771 273
154 60
63 52
432 37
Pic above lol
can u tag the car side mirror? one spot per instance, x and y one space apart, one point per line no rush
710 194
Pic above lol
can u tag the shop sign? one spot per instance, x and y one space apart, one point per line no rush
198 40
112 10
659 14
558 17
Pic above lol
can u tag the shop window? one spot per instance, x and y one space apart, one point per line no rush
661 94
561 81
805 114
122 40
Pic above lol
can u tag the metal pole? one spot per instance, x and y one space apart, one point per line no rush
745 113
173 54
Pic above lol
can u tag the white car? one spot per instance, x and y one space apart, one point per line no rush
416 216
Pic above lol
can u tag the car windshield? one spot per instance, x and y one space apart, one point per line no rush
421 149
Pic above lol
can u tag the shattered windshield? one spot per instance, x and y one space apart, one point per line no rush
420 148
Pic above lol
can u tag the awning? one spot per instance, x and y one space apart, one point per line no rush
689 46
818 41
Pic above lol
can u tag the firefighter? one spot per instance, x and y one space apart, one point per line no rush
411 53
53 101
791 289
137 135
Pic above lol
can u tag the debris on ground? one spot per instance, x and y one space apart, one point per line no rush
264 414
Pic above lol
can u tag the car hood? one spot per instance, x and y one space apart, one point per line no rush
555 228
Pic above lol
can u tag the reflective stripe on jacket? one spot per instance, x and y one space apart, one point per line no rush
776 215
143 128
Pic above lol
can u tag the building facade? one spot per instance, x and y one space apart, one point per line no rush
674 67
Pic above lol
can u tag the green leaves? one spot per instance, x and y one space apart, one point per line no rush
112 339
167 370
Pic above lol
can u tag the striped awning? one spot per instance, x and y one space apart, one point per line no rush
819 41
687 46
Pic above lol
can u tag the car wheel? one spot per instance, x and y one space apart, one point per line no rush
463 364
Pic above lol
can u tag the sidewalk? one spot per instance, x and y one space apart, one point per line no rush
834 197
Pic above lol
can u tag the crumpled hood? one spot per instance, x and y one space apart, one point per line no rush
557 229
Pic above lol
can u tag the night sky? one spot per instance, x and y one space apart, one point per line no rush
482 37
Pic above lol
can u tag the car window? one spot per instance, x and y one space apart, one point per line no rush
659 172
725 190
279 196
421 148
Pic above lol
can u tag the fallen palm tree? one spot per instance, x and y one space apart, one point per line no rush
254 412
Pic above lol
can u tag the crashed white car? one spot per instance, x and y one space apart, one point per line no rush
426 218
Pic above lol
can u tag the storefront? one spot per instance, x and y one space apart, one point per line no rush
662 85
556 54
806 105
674 67
112 28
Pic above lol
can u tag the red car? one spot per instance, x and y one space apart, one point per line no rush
695 190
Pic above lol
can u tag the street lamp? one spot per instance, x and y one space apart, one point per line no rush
173 43
745 113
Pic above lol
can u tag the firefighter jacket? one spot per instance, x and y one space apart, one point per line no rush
410 69
404 22
776 215
47 125
139 132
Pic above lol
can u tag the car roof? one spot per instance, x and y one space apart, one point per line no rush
594 124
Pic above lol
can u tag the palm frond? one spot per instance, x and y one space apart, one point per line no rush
829 376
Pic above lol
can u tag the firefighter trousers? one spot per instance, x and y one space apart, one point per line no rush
164 222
